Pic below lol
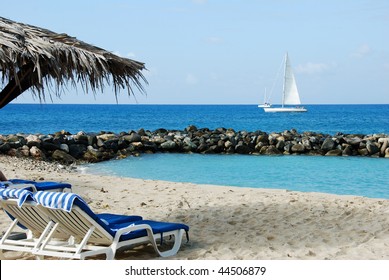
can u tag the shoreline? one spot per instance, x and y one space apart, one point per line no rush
229 222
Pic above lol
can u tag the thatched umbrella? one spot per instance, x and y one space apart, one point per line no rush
33 57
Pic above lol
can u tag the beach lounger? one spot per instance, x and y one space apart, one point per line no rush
93 236
19 205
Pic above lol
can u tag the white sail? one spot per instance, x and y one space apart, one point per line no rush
291 94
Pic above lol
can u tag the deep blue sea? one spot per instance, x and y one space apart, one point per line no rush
352 175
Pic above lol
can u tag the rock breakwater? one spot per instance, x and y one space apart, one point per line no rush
69 148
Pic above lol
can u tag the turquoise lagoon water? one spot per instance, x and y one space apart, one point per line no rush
339 175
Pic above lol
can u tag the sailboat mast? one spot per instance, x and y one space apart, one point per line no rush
283 87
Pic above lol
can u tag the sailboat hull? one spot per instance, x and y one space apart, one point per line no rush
285 110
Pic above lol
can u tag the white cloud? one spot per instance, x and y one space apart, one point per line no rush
361 51
131 55
191 79
214 40
199 1
314 68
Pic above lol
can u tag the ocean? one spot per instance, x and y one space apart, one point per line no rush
339 175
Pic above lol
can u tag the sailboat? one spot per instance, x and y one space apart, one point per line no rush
266 103
290 95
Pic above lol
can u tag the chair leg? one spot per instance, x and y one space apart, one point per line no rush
176 246
110 255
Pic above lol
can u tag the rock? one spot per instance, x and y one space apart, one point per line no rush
328 144
191 128
141 132
48 146
5 147
307 143
37 153
230 132
63 157
315 152
133 137
363 152
33 140
334 152
372 148
168 145
150 146
243 149
77 150
92 155
64 147
384 145
288 148
387 153
354 141
112 145
202 148
272 150
106 136
280 145
348 150
297 148
25 151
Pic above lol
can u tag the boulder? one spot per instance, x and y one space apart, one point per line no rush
347 150
5 147
92 155
280 144
106 136
363 152
77 150
297 148
48 146
63 157
272 150
191 128
37 153
334 152
133 137
328 144
384 145
387 153
372 148
33 140
168 145
64 147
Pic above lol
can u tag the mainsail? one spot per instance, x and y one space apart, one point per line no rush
290 92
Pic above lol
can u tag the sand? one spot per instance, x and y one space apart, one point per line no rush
228 223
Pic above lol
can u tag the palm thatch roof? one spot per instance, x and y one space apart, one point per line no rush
36 58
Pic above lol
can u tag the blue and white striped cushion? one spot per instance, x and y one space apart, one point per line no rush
20 194
56 200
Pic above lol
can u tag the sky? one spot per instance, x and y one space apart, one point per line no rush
228 51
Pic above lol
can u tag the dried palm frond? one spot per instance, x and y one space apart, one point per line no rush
33 57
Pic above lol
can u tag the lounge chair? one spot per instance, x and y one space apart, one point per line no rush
19 205
93 236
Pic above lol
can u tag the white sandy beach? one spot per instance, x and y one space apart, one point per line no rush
228 222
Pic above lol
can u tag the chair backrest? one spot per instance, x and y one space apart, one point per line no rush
19 204
74 215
